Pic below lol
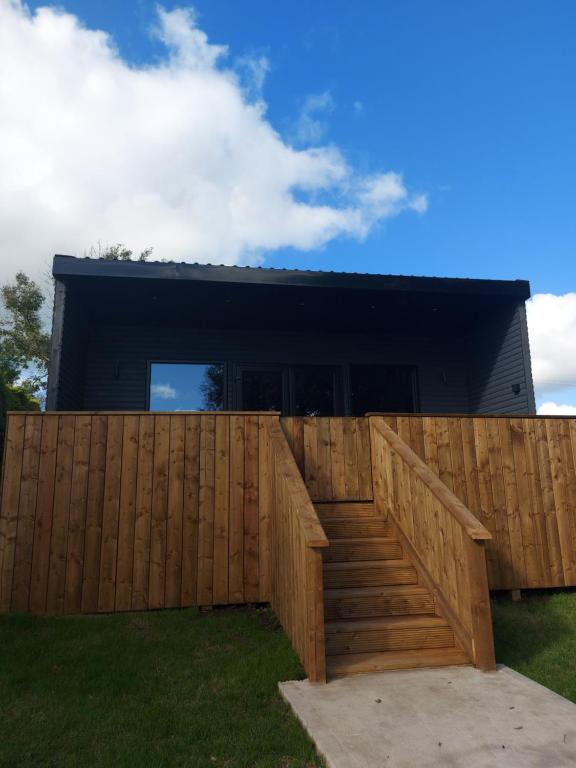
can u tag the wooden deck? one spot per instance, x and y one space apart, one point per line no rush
109 512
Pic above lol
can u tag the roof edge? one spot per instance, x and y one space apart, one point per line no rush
71 266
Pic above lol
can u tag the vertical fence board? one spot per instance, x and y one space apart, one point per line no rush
13 457
236 525
26 513
143 512
251 528
127 513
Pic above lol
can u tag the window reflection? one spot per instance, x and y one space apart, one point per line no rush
187 386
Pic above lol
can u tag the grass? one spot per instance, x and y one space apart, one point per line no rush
173 688
537 637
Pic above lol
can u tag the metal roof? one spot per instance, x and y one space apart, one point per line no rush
71 266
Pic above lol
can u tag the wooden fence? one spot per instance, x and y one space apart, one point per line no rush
517 475
296 542
333 455
113 512
444 539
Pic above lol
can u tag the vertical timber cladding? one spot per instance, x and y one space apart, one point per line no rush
518 477
112 512
333 455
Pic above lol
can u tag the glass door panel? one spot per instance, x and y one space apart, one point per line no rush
262 389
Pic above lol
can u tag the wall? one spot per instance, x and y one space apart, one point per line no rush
499 360
117 357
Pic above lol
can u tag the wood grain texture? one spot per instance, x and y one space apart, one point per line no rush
517 475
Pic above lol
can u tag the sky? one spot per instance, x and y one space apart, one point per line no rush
403 138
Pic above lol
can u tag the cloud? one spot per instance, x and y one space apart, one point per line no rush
177 154
311 126
553 409
552 330
163 391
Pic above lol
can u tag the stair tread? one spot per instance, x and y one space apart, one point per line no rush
364 539
358 663
363 564
378 623
391 590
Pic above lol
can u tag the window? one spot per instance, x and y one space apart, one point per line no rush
387 388
187 386
314 390
262 389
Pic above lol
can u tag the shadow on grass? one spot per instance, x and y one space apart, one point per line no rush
541 624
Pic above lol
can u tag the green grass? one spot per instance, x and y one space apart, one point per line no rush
537 637
173 688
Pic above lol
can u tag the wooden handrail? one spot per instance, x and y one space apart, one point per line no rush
307 517
452 503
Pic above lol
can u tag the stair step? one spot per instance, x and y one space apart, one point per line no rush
369 573
346 509
348 528
381 548
394 633
397 600
358 663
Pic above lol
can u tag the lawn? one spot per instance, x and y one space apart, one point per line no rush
173 688
537 637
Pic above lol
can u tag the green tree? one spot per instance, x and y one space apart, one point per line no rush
117 252
24 345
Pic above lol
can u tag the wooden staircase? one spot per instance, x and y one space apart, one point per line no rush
378 616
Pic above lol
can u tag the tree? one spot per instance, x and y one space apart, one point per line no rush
24 345
118 252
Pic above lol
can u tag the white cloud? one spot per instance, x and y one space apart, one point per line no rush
552 330
553 409
311 125
176 155
163 391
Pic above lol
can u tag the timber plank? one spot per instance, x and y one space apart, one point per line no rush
94 511
352 477
265 507
221 511
251 566
110 514
236 530
26 513
174 524
190 512
13 458
127 514
78 511
143 512
61 515
157 572
206 510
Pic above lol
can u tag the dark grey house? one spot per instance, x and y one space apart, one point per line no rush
165 336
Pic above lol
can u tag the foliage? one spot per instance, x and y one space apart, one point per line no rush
13 399
537 637
117 252
169 688
212 387
24 345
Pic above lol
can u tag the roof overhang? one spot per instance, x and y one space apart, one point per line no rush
72 267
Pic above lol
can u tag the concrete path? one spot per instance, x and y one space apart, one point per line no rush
455 717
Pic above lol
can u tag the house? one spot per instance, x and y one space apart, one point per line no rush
303 343
359 451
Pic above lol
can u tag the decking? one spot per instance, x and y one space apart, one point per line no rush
375 539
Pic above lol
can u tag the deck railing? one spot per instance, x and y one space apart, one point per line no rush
296 541
444 538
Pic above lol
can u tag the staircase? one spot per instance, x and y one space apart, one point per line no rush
378 616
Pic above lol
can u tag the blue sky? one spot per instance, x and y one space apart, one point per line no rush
413 137
474 102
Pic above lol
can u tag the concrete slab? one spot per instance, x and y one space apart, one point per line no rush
454 716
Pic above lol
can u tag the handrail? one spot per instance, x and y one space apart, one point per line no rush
451 502
445 540
307 517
